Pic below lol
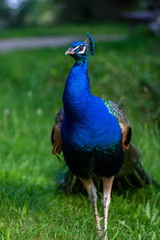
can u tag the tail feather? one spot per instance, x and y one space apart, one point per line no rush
132 173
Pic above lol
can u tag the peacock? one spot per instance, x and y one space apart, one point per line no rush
94 134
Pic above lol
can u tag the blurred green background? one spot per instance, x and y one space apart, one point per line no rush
125 69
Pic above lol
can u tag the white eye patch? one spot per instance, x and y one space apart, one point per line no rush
81 52
84 49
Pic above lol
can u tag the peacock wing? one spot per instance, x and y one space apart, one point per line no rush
124 124
56 133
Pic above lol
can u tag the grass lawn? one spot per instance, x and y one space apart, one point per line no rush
64 29
31 89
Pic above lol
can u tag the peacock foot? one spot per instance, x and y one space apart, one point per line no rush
101 236
105 237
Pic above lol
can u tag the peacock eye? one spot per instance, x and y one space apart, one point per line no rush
80 48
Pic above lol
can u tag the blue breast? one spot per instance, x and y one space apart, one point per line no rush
93 126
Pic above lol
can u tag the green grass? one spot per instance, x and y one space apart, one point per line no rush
31 89
63 29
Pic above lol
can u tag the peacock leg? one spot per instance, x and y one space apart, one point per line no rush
92 193
107 186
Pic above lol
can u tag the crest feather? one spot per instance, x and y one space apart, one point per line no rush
90 44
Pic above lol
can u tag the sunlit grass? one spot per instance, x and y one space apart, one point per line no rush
31 89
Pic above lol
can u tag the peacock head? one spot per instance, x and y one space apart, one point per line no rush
79 50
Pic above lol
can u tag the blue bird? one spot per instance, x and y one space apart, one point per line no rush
92 133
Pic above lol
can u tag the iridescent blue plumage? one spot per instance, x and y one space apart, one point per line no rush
91 135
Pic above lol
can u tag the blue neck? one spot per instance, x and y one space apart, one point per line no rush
87 119
77 89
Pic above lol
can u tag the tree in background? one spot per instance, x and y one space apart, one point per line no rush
10 17
27 12
91 10
4 13
43 12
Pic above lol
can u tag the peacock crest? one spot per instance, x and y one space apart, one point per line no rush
90 44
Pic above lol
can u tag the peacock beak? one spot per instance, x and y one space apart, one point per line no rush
70 51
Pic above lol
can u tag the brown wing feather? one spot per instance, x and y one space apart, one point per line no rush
56 134
124 124
126 134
